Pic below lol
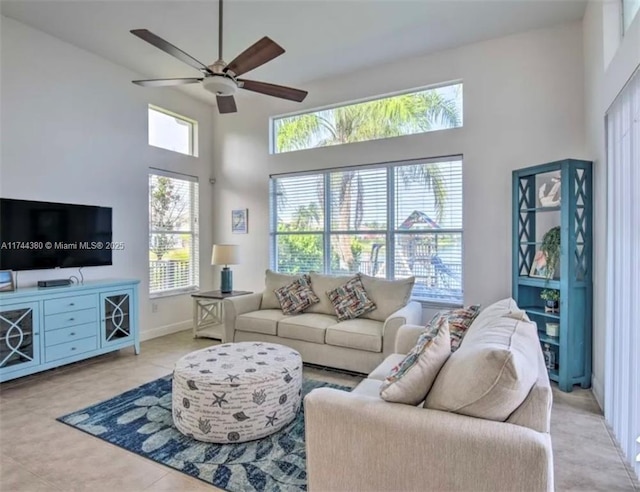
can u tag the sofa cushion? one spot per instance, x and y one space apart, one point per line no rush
263 321
368 387
296 296
382 371
350 300
307 326
410 381
492 372
459 320
494 311
361 334
388 295
321 284
273 281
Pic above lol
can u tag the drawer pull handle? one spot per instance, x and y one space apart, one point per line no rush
72 333
72 304
72 319
73 348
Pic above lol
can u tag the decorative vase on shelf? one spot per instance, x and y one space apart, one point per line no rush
549 357
551 307
552 329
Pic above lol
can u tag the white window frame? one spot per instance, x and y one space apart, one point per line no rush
623 17
391 228
193 130
194 232
273 119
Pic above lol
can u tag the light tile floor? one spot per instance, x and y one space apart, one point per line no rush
37 453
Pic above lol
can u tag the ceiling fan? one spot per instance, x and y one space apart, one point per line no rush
221 78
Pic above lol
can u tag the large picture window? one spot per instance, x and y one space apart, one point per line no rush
173 233
390 221
418 111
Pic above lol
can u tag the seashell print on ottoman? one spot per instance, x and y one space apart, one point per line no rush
236 392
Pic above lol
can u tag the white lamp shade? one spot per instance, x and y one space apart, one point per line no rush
225 254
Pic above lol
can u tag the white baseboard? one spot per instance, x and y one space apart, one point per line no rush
598 391
161 331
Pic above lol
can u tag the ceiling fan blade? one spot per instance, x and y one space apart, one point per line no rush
255 55
167 47
226 104
165 82
274 90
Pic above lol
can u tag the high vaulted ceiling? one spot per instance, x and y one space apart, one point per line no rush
322 38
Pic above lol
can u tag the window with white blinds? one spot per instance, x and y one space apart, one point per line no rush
173 233
391 221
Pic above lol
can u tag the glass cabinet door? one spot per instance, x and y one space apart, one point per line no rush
19 340
116 317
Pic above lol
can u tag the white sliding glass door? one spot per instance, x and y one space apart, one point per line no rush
622 392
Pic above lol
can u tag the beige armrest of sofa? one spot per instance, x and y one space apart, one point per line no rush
358 443
410 314
407 337
234 307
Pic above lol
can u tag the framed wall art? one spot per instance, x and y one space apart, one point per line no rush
539 266
240 221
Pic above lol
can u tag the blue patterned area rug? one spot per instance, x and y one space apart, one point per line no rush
140 421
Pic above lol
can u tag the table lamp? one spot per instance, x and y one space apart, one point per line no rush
225 254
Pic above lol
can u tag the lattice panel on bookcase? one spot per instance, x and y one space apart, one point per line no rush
580 224
526 222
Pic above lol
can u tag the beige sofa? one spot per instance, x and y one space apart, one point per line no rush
355 345
356 441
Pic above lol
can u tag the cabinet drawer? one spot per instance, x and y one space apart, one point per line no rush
63 335
70 349
73 303
73 318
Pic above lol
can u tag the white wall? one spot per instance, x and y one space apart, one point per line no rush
609 63
523 105
74 130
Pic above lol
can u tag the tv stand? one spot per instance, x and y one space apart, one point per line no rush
45 328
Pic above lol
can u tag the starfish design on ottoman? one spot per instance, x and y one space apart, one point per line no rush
271 420
260 397
219 400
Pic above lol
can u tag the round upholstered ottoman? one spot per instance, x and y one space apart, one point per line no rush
236 392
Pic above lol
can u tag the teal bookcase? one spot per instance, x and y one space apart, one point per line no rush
572 211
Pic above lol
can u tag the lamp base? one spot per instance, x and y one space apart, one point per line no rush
226 280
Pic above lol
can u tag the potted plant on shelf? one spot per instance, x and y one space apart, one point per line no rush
551 298
551 250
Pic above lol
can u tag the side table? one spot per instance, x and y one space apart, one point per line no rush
208 313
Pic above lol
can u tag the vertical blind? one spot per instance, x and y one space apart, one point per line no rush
390 221
173 232
622 390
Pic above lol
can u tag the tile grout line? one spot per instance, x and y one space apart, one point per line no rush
153 483
37 475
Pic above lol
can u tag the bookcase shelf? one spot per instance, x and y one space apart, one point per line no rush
573 276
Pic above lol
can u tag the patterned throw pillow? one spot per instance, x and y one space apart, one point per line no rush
459 322
410 381
350 300
296 296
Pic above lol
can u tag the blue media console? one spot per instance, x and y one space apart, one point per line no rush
43 328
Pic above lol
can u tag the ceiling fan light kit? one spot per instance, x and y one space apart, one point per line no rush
220 86
219 78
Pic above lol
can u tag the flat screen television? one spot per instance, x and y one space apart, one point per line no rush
40 235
